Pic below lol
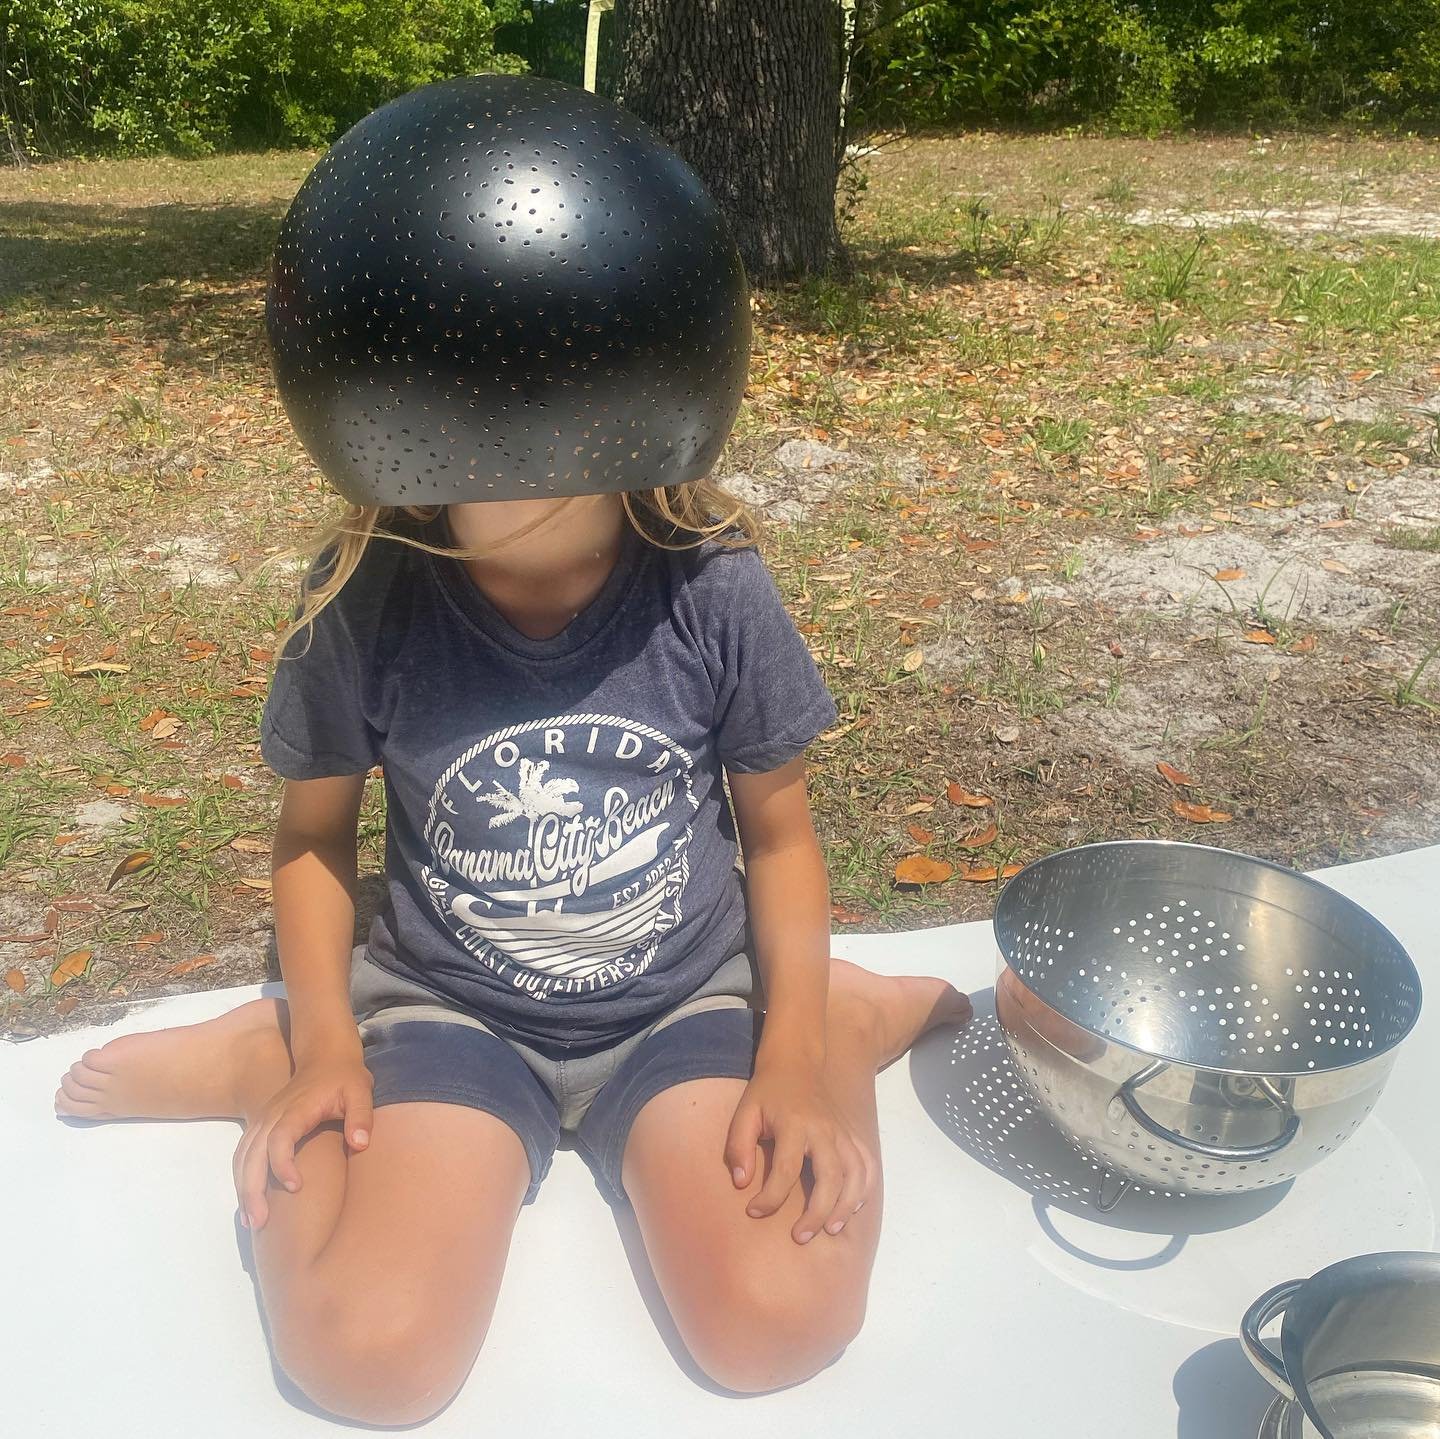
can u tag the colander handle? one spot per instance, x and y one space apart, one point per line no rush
1239 1153
1260 1354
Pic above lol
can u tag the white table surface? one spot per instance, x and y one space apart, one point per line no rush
1002 1304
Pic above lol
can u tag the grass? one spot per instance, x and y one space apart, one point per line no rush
1029 383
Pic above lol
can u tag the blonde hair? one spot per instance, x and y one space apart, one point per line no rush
671 517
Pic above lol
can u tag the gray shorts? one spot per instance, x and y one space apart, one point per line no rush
419 1048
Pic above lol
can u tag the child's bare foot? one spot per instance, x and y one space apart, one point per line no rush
195 1071
893 1011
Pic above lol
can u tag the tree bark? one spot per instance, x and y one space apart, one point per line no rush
748 91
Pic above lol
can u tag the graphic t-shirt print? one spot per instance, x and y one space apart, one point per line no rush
560 850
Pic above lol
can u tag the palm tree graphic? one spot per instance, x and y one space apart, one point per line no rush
535 796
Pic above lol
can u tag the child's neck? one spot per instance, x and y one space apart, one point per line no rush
541 581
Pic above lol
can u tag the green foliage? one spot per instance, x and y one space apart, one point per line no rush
193 76
1143 66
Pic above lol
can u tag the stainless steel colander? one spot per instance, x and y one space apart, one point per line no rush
1194 1020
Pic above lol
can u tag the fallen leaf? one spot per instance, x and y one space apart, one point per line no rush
153 718
1175 776
1200 813
66 1003
162 801
145 941
131 864
164 728
982 838
253 882
921 869
247 845
232 781
921 806
71 967
15 979
962 797
1305 646
930 602
61 840
920 836
187 966
1258 637
1336 567
841 915
913 660
1011 870
979 873
1225 576
1115 650
12 760
1008 735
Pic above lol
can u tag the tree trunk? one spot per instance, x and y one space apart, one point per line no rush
748 91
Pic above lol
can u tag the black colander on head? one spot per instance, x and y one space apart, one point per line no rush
502 288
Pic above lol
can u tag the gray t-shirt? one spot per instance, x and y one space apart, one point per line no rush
560 856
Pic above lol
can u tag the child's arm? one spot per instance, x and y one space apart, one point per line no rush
314 869
786 1100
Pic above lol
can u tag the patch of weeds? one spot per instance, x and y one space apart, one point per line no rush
989 243
1413 538
1201 387
1071 565
1118 190
1062 437
1385 430
1171 271
1407 692
1160 335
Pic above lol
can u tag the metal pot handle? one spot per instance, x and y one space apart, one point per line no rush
1260 1354
1239 1153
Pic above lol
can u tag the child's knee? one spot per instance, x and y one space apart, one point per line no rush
375 1360
762 1336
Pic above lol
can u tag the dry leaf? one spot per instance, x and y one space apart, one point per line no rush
247 845
1011 870
162 801
930 602
152 719
131 864
232 781
982 838
913 660
71 967
1335 567
186 966
16 980
921 869
164 728
66 1003
1305 646
921 806
1200 813
979 873
251 882
1175 776
962 797
12 760
1259 637
1225 576
841 915
920 836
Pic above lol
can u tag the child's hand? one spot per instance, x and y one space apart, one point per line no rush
787 1103
319 1091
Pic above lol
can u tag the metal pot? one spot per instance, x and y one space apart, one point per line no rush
1193 1020
1359 1350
